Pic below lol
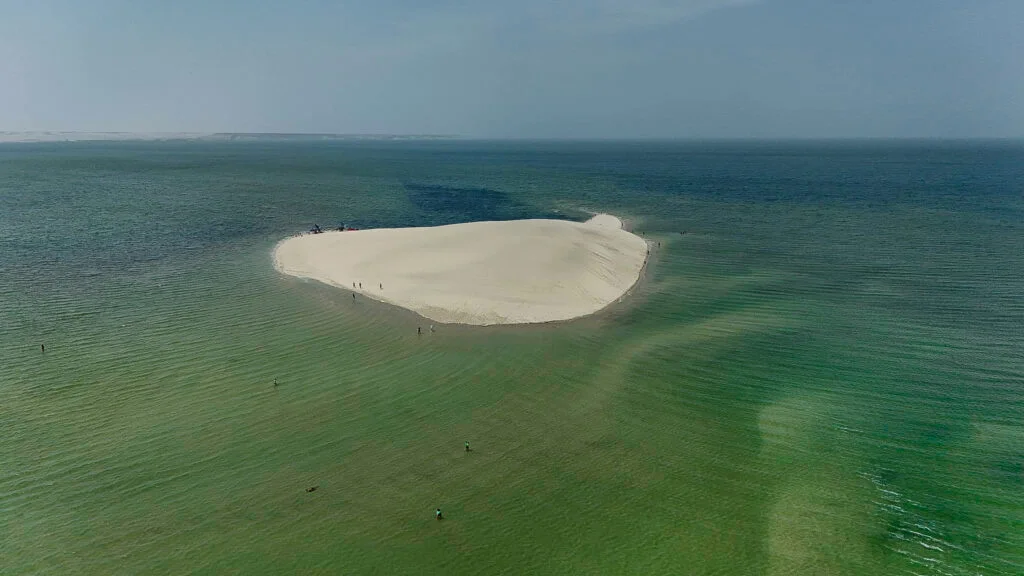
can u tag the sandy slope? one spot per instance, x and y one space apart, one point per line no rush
483 273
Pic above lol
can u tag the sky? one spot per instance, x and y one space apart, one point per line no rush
517 68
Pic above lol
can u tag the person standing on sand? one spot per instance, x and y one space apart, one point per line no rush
467 445
419 330
382 286
438 515
42 347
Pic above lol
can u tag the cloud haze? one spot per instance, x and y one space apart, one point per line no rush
600 68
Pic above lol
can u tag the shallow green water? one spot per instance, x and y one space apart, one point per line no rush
824 375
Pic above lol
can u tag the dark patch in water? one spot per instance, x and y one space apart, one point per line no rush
453 204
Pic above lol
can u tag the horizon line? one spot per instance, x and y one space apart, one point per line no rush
54 136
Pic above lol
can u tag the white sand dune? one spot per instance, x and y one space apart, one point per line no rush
482 273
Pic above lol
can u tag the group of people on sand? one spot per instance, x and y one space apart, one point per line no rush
316 229
360 285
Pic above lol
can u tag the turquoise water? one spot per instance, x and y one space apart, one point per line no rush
823 375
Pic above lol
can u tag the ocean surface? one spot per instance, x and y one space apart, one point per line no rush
822 371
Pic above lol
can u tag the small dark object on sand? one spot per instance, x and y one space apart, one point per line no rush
419 330
275 382
312 488
42 347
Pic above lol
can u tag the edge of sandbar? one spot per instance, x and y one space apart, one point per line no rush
599 220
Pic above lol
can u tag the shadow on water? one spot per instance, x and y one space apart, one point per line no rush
453 204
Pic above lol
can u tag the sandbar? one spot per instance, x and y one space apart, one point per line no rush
480 273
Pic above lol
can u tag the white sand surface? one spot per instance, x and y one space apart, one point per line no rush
483 273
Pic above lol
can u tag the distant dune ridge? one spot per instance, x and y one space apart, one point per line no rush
482 273
68 136
62 136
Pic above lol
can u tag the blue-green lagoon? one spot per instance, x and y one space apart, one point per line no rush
822 371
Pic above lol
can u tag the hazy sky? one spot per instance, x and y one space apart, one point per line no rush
517 68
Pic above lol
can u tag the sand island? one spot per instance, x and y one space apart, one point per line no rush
482 273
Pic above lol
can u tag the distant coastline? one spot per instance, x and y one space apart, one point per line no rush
71 136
